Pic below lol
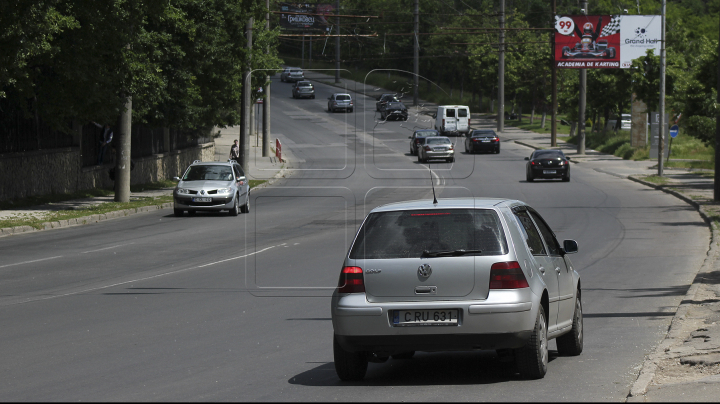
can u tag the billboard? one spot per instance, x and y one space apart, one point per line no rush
604 41
311 17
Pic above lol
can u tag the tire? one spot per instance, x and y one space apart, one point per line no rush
529 176
313 97
192 212
329 110
562 53
178 212
466 149
532 359
571 344
497 150
236 206
451 160
404 355
350 110
349 366
246 208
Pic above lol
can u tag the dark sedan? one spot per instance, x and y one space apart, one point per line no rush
417 139
482 140
394 110
384 99
547 164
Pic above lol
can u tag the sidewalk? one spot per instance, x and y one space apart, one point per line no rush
263 168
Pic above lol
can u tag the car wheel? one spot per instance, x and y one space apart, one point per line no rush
404 355
313 97
192 212
532 359
571 344
236 206
350 110
246 208
329 108
529 176
178 212
497 150
349 365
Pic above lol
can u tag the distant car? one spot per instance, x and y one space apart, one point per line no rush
394 110
303 89
212 186
340 101
482 140
292 74
384 99
547 164
417 139
437 147
460 274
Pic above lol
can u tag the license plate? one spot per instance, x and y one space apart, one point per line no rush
202 199
549 172
409 318
486 141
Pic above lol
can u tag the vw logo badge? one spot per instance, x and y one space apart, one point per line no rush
425 270
202 192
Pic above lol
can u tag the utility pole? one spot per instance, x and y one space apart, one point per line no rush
416 55
553 84
337 43
501 71
302 58
583 99
266 101
247 103
717 136
123 154
661 140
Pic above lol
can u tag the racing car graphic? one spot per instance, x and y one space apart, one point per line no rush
589 47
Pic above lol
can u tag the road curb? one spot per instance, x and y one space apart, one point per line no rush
649 368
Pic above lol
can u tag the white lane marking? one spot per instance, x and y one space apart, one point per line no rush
106 248
35 299
30 262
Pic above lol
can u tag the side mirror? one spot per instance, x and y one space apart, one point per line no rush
527 158
409 137
434 115
567 158
241 178
329 98
176 178
570 246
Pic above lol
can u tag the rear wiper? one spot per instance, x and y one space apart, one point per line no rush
449 253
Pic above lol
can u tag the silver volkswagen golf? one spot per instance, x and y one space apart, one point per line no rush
462 274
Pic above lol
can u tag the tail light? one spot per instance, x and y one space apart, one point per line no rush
532 163
507 275
351 280
468 121
443 125
427 148
452 147
495 139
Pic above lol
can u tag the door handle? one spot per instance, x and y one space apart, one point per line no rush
542 269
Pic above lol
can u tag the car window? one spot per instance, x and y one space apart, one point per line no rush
550 240
295 71
208 173
548 154
450 113
462 113
342 97
406 234
530 232
238 171
479 133
438 140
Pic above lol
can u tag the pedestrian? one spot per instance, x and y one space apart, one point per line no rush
235 152
107 137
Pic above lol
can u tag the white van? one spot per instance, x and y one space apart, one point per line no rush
452 119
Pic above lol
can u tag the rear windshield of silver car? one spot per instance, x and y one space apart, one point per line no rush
343 98
407 234
438 140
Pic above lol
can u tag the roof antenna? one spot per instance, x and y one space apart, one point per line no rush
433 185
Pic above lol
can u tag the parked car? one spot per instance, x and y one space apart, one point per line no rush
417 139
394 110
436 147
303 89
452 119
482 140
547 164
459 274
212 186
340 101
384 99
292 74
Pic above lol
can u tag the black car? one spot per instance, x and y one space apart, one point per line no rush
384 99
547 164
482 140
303 89
394 110
417 139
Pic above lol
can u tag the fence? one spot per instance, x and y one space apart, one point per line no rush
20 133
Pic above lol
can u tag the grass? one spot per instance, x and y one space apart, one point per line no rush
656 180
101 208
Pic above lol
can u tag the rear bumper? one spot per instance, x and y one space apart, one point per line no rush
479 146
541 172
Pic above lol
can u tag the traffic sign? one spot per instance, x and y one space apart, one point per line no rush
674 131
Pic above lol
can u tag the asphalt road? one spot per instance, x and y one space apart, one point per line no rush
212 307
